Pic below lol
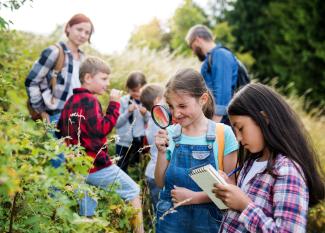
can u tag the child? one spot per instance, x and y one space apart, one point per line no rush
131 123
279 175
151 95
82 121
191 143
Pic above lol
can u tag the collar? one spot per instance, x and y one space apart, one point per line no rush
81 90
67 50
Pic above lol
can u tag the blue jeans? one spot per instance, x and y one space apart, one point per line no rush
104 178
56 162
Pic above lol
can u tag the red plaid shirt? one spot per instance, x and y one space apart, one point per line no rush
83 110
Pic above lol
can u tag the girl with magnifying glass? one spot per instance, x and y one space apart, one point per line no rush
186 145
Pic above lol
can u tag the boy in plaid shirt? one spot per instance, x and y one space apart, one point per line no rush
82 120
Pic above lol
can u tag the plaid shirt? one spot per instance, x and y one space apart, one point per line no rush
279 204
85 108
37 83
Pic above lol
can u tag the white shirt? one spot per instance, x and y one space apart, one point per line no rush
75 81
257 167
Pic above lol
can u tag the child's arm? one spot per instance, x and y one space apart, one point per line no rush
145 113
125 111
161 141
290 205
99 125
230 162
180 194
290 199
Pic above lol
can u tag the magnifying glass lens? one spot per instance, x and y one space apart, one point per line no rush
161 116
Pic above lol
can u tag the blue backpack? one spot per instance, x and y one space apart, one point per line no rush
242 75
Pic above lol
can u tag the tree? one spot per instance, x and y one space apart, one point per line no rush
148 35
286 41
12 5
184 18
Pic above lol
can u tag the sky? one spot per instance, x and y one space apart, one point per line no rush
114 20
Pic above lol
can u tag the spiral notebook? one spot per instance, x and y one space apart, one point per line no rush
205 177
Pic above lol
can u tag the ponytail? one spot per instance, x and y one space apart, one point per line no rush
208 108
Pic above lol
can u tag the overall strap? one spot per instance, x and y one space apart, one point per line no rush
211 134
177 133
220 132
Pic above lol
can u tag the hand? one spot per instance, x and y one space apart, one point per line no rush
142 110
132 107
115 95
180 194
161 140
45 117
232 196
225 177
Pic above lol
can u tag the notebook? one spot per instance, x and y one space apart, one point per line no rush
205 177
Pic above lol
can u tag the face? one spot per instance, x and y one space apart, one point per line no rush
184 108
98 83
197 50
135 92
248 133
79 33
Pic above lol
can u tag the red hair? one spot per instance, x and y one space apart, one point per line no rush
76 19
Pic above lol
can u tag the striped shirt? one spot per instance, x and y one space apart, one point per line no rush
280 204
42 97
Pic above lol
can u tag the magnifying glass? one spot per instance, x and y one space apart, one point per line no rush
161 116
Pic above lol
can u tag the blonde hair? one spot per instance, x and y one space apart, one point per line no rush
92 66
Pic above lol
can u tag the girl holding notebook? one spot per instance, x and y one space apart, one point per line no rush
279 178
189 144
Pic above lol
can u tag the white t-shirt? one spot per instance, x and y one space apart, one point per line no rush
75 81
257 167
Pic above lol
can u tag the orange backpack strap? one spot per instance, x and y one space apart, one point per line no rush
220 132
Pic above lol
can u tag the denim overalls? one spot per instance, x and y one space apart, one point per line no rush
190 218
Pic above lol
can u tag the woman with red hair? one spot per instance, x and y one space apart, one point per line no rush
49 88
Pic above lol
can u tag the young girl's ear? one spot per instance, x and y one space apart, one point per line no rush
204 99
266 117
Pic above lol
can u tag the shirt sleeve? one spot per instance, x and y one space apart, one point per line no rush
231 143
37 74
222 85
124 112
290 206
101 125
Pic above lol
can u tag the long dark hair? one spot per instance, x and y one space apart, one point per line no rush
283 133
191 82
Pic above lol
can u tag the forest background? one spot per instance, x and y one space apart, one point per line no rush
281 42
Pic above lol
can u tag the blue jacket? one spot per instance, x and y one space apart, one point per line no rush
222 78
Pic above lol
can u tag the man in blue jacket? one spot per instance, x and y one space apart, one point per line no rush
219 68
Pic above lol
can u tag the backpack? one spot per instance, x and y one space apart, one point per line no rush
242 73
220 133
56 70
